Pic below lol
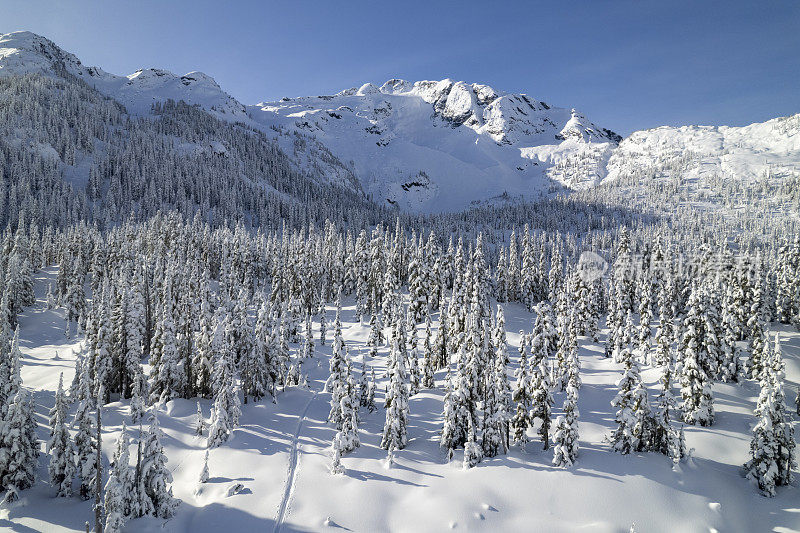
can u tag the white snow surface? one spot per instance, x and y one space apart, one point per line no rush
280 457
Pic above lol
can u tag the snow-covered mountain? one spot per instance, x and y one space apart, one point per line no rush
25 52
424 146
433 146
766 149
444 145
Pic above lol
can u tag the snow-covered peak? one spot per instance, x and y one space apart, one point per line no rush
444 145
24 52
366 89
396 86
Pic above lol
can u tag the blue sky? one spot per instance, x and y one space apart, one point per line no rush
626 64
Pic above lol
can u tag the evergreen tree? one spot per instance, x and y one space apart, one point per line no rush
338 378
265 350
758 347
666 438
308 339
226 411
395 429
565 438
204 475
154 474
137 404
712 338
10 373
522 395
500 377
255 372
61 467
348 435
772 449
416 287
453 431
430 359
730 364
698 406
501 278
168 380
665 330
200 424
540 388
337 363
473 454
782 421
19 447
367 396
118 487
85 448
645 314
496 403
763 468
203 359
441 344
101 352
323 326
336 454
134 337
634 429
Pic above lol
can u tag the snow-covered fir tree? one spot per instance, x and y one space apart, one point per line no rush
429 359
336 454
698 401
540 386
227 406
633 418
395 429
153 473
565 437
168 379
666 438
61 467
204 474
19 447
85 438
348 435
200 423
119 486
772 448
473 454
521 395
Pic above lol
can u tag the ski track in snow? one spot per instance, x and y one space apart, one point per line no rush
291 472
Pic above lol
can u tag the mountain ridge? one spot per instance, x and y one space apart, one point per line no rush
434 146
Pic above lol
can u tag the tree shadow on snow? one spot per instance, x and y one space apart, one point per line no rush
363 475
8 525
